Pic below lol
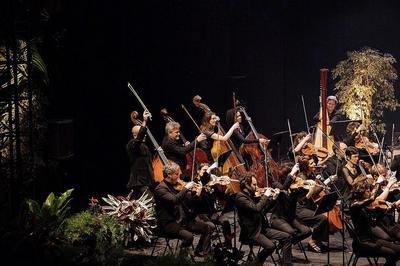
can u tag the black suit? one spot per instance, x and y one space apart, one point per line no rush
141 169
176 151
254 227
175 220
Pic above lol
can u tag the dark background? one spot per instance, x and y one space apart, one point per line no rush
172 50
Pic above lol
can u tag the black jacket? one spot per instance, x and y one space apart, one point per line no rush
141 169
251 218
169 203
176 151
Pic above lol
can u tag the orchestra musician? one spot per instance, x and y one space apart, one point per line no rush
173 147
239 135
140 159
174 217
254 226
369 243
333 114
210 129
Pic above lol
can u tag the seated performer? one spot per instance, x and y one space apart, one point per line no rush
304 208
174 217
351 171
362 197
174 149
254 226
141 170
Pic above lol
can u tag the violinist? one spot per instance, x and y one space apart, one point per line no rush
239 135
174 217
395 163
141 170
206 209
351 171
301 139
254 226
283 216
356 138
304 208
210 129
369 243
173 147
335 164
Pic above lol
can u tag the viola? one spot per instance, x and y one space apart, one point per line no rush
302 183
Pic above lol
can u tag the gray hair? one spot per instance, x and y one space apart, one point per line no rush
169 168
170 126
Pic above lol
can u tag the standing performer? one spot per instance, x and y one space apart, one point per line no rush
140 159
174 149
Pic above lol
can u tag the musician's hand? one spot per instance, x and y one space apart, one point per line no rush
276 193
360 128
295 169
201 137
190 185
380 179
308 137
397 203
391 182
187 143
146 115
264 141
268 192
236 125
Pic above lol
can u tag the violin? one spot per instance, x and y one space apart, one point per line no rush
380 204
302 183
261 190
310 149
362 142
180 184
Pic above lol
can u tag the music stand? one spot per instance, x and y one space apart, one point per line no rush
326 204
338 128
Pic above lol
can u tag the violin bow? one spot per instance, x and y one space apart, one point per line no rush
190 116
291 141
305 114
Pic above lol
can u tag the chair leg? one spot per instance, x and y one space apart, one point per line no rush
166 246
351 257
300 245
369 261
154 246
356 257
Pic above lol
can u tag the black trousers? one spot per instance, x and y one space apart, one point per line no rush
185 232
294 228
380 248
319 223
266 238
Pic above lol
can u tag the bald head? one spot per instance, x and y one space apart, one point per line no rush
135 131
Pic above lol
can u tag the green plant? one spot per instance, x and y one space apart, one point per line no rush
95 238
365 85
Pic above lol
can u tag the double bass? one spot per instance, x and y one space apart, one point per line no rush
158 161
193 158
261 163
234 165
